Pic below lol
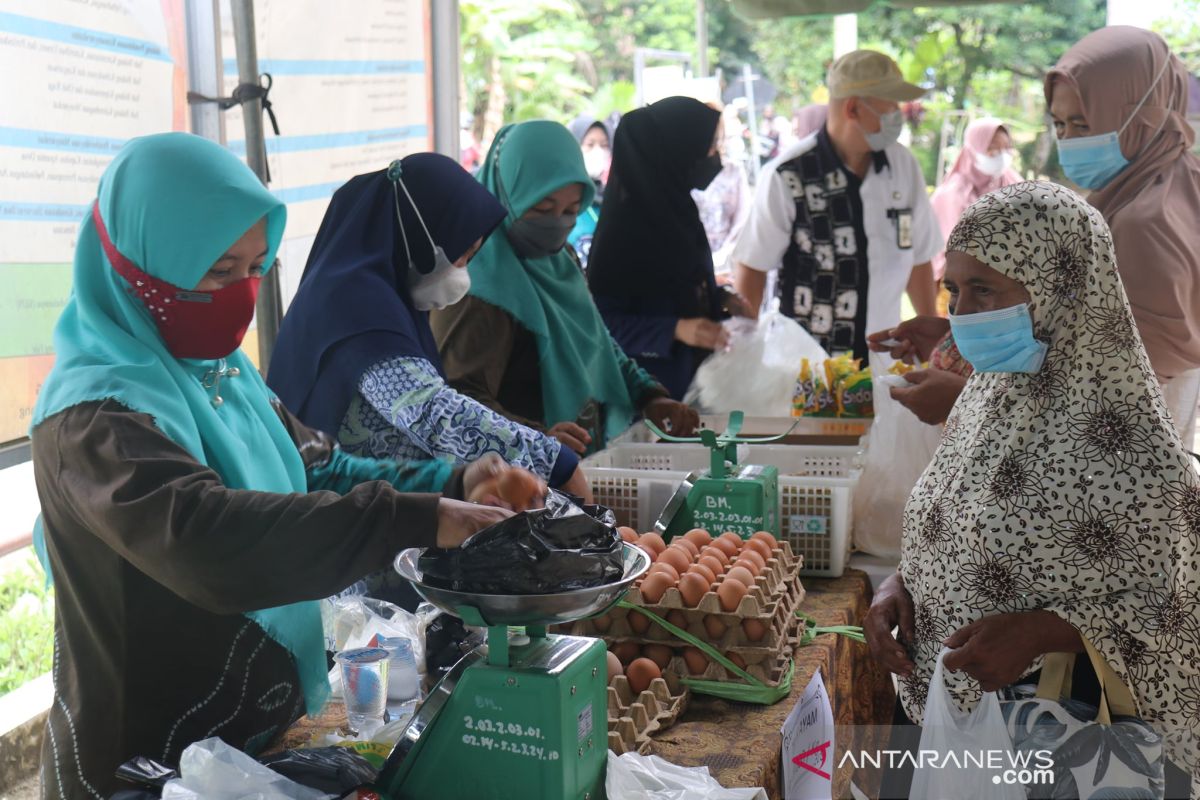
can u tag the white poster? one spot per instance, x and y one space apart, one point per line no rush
80 78
351 93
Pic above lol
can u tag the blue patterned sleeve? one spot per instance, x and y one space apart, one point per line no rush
414 399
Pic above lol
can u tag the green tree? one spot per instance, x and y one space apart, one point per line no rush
1181 29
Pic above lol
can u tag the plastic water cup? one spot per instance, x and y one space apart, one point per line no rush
402 669
364 686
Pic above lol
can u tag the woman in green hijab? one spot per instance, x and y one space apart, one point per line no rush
528 340
188 520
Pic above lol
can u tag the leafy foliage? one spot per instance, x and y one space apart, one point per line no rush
26 624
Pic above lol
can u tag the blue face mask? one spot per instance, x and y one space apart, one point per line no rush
1091 162
999 341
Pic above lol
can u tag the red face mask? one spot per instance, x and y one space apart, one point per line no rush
204 325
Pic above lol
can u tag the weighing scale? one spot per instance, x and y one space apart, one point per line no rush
524 715
725 497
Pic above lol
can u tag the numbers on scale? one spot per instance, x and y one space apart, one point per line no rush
523 749
502 728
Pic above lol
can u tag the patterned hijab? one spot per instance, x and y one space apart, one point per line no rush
1066 490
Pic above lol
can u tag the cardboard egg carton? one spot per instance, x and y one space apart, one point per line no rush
764 664
633 720
771 584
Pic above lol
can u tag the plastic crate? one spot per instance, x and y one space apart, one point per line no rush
816 491
839 428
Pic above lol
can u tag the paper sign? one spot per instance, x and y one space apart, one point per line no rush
808 746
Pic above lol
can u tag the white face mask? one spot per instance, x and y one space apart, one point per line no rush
891 125
446 284
994 166
596 160
443 287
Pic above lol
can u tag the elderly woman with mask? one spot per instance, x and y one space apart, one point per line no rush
1061 505
1118 100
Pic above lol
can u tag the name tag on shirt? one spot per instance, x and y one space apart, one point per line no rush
903 217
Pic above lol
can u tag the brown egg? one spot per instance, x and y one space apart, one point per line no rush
654 585
520 488
714 627
703 570
698 537
649 551
692 587
713 564
735 658
614 666
696 661
748 565
732 538
716 552
754 629
602 623
626 651
640 673
740 574
678 619
727 546
730 593
758 547
677 558
653 542
639 623
755 556
661 566
693 551
766 538
628 534
658 653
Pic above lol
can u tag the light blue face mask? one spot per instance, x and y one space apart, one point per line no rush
1091 162
999 341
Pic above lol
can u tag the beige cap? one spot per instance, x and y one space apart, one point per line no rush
867 73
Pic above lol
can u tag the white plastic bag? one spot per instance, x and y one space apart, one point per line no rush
353 621
900 448
636 777
757 374
212 770
963 755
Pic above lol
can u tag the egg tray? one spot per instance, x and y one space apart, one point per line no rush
783 628
770 667
633 720
778 607
771 585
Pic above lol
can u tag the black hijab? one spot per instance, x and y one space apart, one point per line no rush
650 253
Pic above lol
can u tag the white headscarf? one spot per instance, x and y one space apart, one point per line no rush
1066 490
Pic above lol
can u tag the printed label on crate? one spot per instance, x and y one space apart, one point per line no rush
800 523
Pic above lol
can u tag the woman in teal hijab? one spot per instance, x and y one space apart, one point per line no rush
189 521
528 340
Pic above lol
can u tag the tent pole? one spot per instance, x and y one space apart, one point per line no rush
270 303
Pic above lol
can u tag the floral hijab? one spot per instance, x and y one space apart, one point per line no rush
1068 489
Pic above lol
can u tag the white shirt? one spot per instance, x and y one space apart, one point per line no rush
898 186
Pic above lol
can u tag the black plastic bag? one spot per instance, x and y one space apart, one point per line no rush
146 772
558 548
446 641
333 770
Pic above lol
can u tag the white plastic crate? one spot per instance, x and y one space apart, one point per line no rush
816 491
764 426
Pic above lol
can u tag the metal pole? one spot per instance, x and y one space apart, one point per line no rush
204 67
444 21
270 301
702 39
748 79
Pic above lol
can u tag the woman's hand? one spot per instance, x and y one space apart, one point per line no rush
578 485
458 520
997 650
916 338
892 606
736 305
572 436
672 416
931 394
703 333
480 480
